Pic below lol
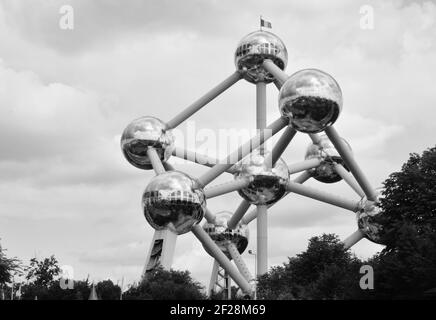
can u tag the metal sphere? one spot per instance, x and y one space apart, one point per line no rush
253 49
143 133
267 184
311 99
326 152
368 218
221 234
175 201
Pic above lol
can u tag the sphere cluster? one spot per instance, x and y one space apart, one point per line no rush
175 201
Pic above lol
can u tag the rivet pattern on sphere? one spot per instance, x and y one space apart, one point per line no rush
311 99
143 133
173 200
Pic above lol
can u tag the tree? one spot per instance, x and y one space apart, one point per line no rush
8 267
406 268
44 272
410 199
107 290
326 270
166 285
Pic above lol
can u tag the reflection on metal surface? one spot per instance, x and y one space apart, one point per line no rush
220 233
143 133
173 200
311 99
368 218
326 152
256 47
267 184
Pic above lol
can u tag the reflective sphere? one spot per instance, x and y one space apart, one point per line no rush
256 47
173 200
267 184
220 233
311 99
326 152
368 218
143 133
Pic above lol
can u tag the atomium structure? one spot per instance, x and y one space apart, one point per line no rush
174 203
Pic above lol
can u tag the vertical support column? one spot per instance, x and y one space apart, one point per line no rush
228 285
261 105
262 218
161 251
213 278
262 240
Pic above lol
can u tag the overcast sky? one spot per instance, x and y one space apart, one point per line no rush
67 95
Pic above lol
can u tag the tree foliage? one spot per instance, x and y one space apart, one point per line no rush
43 272
8 267
406 268
166 285
326 270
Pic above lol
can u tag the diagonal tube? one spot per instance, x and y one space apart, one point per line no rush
200 103
227 187
224 262
278 73
239 213
354 238
155 160
348 178
240 264
243 150
323 196
280 146
304 165
348 158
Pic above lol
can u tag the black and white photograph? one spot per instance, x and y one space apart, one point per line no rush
217 155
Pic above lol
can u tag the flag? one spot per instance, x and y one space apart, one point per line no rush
265 24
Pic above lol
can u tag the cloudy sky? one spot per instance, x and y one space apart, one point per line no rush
66 96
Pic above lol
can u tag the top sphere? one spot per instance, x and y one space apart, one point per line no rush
143 133
253 49
220 233
311 99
